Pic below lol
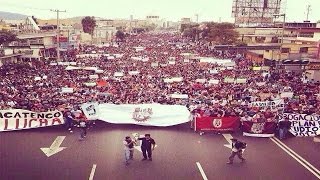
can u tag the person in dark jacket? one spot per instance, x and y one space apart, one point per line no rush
83 125
237 149
284 127
69 120
147 146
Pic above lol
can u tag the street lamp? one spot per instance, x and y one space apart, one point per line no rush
282 34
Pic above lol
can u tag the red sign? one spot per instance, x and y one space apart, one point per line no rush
217 123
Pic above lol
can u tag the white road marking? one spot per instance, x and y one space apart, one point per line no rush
201 171
93 170
297 157
55 147
228 137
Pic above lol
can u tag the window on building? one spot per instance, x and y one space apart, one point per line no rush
285 50
304 50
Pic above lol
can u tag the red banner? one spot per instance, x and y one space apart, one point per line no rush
265 129
217 123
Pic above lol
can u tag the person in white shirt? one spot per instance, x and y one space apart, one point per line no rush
128 149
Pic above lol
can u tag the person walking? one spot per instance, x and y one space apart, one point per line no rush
237 149
147 146
83 125
128 149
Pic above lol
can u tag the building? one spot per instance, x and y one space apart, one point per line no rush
103 34
33 46
8 56
251 35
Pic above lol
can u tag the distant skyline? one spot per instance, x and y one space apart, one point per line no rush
172 10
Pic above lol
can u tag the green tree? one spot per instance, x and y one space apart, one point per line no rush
120 35
88 24
7 37
221 33
191 31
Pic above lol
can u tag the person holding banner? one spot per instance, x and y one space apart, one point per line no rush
237 149
284 127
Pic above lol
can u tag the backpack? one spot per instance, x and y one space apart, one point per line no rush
240 145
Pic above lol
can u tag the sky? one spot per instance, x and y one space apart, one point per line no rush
172 10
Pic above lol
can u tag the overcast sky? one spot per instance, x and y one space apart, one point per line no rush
208 10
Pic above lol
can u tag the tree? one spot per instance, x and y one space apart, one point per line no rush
88 24
120 35
191 31
221 33
7 37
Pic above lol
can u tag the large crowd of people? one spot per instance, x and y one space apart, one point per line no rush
135 71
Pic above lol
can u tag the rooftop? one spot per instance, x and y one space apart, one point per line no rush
36 35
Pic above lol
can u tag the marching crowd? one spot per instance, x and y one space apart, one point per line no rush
163 56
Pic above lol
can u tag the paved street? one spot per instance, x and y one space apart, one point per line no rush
176 156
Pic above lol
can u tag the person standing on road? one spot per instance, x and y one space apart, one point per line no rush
284 127
69 120
147 146
128 149
237 149
83 125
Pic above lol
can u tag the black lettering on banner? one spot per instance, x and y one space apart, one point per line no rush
49 116
8 115
281 116
40 115
32 115
57 114
17 115
315 129
25 114
307 117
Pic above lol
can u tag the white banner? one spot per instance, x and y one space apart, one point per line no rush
90 110
269 104
286 95
94 76
17 119
66 90
144 114
302 124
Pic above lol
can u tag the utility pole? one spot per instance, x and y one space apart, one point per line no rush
308 11
58 31
197 18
